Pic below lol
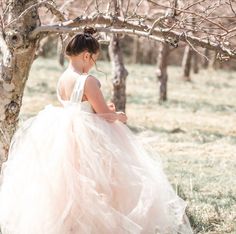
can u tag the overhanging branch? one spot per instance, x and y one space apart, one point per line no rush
111 24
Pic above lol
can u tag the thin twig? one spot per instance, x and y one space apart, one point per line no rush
197 50
191 12
46 4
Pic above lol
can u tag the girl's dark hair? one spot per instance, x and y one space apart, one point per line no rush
83 41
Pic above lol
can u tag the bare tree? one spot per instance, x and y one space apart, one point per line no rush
119 71
189 59
119 74
186 63
205 60
18 53
195 58
162 75
162 60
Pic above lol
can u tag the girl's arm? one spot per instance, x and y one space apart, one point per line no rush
96 99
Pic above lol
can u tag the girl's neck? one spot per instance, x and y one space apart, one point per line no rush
75 66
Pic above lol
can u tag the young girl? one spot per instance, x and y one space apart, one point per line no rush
78 169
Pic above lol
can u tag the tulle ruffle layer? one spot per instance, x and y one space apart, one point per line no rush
72 172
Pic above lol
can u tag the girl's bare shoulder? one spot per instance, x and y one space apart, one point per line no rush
92 81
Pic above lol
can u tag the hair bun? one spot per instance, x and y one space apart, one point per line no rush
89 30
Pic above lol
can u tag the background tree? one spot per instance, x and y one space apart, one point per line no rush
119 71
162 60
161 73
187 62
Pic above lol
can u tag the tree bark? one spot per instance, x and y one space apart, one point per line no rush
216 63
119 71
205 61
161 72
186 63
18 55
119 74
195 62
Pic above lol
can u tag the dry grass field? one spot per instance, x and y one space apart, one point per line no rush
194 132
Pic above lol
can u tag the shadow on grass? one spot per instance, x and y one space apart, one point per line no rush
137 129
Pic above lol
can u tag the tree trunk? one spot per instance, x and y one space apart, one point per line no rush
119 74
205 61
216 63
161 71
18 55
60 51
186 63
195 62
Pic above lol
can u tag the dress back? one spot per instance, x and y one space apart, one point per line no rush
77 92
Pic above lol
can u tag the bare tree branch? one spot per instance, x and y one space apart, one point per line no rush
101 21
231 6
97 6
62 9
193 13
88 6
156 22
46 4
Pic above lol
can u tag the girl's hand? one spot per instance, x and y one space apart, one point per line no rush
111 106
121 116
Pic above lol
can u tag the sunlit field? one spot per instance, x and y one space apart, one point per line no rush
194 132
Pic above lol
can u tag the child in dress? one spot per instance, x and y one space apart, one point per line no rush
78 169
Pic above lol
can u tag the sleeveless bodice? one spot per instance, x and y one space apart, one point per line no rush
77 92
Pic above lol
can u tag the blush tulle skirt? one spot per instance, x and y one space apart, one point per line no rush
72 172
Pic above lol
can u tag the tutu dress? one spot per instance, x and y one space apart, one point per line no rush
69 171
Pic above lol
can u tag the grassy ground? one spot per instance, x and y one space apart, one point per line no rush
194 132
